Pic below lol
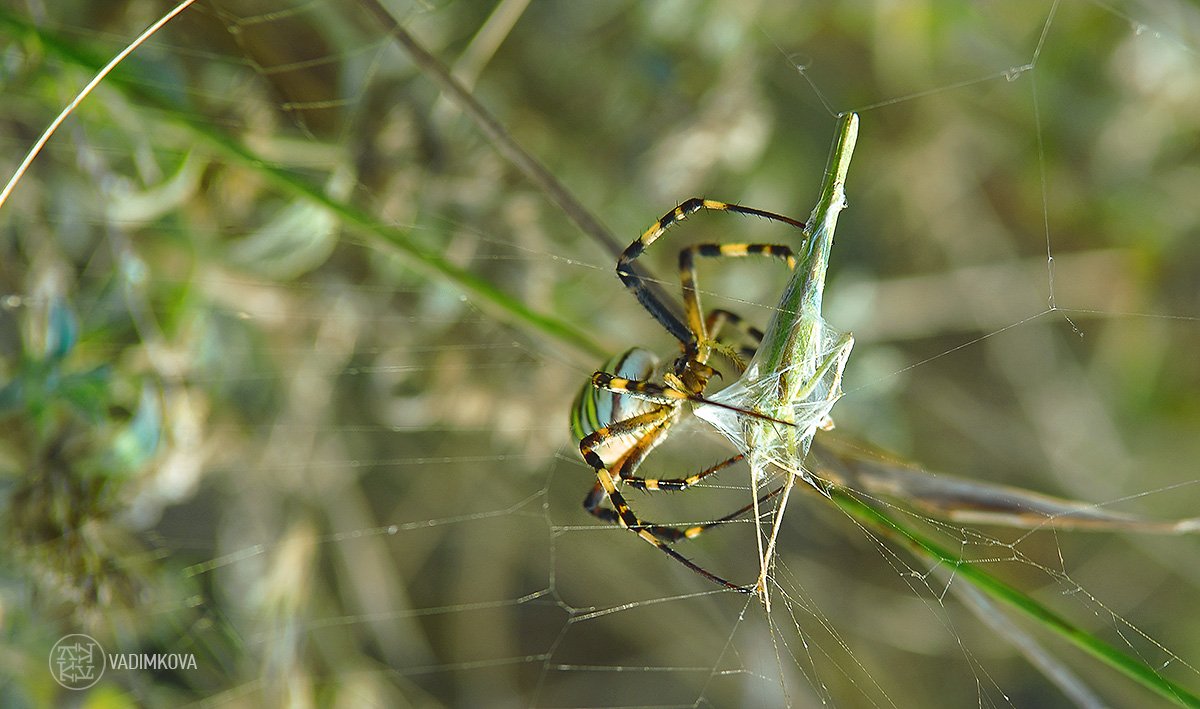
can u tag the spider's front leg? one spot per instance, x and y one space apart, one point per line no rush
692 332
643 390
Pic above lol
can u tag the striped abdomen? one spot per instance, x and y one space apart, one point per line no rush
595 408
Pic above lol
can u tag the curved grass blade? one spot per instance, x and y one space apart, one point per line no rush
491 299
969 501
920 545
518 157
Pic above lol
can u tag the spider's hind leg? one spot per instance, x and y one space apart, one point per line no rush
622 515
625 468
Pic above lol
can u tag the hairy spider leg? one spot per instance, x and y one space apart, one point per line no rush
656 535
657 309
719 319
687 274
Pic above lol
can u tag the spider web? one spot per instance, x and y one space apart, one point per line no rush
365 490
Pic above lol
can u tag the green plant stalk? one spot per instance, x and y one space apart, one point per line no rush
996 589
794 329
795 376
491 299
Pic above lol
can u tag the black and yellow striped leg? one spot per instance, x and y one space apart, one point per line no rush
592 504
693 532
649 301
668 534
627 465
687 273
675 484
632 460
626 518
719 319
696 530
621 514
667 396
647 391
660 535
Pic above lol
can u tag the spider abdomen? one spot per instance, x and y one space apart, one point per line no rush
595 408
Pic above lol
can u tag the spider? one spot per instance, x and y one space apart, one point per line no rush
624 412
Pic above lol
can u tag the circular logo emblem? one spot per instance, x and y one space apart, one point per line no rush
77 661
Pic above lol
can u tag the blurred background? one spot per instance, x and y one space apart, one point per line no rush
267 395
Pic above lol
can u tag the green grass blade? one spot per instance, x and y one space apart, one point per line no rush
491 299
999 591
